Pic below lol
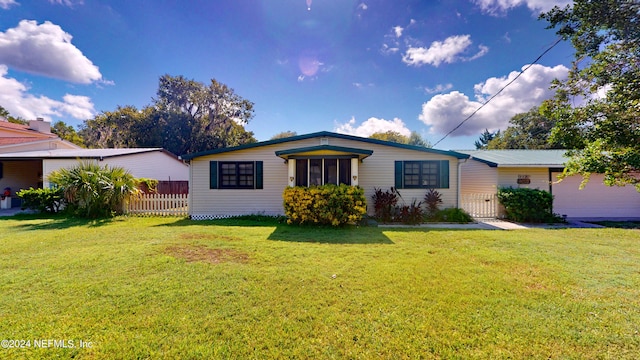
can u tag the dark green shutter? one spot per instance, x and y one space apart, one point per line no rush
213 174
444 174
398 174
258 174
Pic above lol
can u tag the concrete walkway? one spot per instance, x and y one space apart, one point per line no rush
498 224
13 211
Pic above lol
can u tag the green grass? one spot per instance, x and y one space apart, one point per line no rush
173 288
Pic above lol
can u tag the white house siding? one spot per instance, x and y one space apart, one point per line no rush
478 178
374 171
595 200
222 202
539 177
152 165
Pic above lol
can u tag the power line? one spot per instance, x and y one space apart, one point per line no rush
499 91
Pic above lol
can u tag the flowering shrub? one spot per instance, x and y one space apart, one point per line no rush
324 205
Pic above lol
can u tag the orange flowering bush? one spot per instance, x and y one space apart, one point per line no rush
324 205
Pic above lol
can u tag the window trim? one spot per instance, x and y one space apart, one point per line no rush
216 174
237 174
441 174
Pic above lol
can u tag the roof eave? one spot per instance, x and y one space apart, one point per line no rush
324 134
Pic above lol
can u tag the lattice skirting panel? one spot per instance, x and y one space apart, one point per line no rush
209 217
217 217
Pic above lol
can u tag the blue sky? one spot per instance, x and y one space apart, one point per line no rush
352 67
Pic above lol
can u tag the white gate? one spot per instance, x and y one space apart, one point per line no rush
480 205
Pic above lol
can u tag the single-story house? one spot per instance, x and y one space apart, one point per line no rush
250 179
22 170
488 170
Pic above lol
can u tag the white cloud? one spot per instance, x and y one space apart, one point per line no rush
398 30
15 98
447 51
482 52
359 85
46 50
79 107
499 7
389 49
69 3
363 6
438 88
371 126
445 111
6 4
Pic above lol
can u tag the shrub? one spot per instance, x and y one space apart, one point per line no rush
410 214
384 204
324 205
527 205
43 200
147 186
432 199
93 191
453 215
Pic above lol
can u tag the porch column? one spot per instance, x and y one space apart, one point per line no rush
354 171
292 172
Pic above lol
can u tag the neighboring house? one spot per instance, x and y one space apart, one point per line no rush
488 170
31 168
250 179
35 136
29 153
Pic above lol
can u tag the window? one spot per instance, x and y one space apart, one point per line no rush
301 172
319 171
422 174
235 175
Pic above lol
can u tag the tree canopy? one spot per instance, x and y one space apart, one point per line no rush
4 113
284 134
186 116
597 108
67 132
485 138
394 136
529 130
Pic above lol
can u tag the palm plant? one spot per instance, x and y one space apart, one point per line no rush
92 190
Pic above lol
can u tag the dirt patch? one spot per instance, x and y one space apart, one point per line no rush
195 236
201 253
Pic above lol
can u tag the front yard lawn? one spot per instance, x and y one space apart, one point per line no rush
173 288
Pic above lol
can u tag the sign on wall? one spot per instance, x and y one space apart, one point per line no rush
524 179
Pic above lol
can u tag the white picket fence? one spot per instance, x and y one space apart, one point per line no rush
160 205
481 205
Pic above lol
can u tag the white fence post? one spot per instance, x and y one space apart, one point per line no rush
160 205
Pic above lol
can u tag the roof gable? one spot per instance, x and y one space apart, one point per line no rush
322 134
